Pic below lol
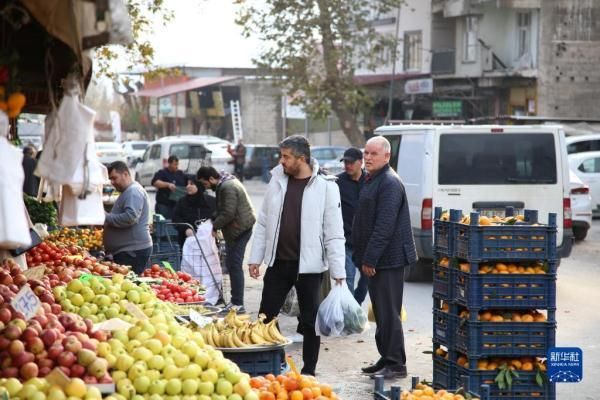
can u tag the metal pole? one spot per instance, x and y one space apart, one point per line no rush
391 90
329 128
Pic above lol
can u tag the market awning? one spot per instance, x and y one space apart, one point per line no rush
383 78
186 86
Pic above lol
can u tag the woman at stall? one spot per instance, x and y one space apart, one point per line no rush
195 206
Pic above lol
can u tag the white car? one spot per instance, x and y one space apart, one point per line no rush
134 150
109 152
587 167
329 158
581 206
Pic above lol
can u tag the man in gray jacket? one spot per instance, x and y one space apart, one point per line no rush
299 235
126 228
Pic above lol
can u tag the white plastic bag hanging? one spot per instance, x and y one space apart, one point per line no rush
339 314
291 308
14 224
75 211
207 271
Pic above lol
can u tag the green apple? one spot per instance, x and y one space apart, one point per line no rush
224 387
157 362
216 396
56 393
242 387
171 372
181 360
142 354
158 387
206 388
178 341
141 384
93 393
93 308
154 345
210 375
133 331
142 336
85 311
251 396
77 300
111 313
118 375
190 349
203 397
125 388
12 386
153 374
192 371
117 279
127 285
149 328
190 386
87 294
234 396
173 386
145 297
169 351
121 336
232 375
75 286
133 296
137 397
137 369
202 358
132 345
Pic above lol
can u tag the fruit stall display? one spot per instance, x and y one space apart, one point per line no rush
494 303
173 286
73 327
89 238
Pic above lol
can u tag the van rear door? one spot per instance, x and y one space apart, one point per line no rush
484 171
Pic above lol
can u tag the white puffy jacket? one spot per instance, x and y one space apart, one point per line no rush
322 228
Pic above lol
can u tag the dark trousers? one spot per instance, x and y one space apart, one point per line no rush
138 259
238 170
234 258
278 281
385 289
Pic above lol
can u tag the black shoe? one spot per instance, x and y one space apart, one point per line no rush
374 368
391 373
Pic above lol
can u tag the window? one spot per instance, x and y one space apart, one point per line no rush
140 146
146 154
182 151
523 33
470 39
497 159
412 51
590 166
395 141
155 152
583 146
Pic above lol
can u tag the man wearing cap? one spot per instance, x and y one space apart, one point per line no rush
350 183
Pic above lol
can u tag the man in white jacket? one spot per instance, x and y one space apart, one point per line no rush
299 235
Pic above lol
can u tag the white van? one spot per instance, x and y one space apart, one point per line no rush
481 168
193 152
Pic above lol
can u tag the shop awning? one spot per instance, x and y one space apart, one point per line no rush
376 79
186 86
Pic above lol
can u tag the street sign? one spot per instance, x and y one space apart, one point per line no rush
418 86
164 105
446 108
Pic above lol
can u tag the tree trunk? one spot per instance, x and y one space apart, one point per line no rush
350 126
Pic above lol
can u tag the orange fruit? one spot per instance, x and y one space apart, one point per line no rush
13 112
16 101
297 395
256 383
326 390
266 396
291 384
275 387
283 395
3 106
316 391
270 377
307 393
527 366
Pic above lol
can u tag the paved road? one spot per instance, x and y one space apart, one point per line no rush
578 317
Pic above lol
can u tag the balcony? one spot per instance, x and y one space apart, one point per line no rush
443 62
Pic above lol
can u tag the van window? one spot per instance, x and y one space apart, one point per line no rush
497 159
186 151
395 144
155 152
412 153
582 146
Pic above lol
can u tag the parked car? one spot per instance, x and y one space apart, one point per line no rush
482 168
109 152
193 151
581 204
329 158
587 167
256 156
583 143
134 150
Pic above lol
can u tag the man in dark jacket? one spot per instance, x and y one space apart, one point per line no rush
30 184
350 183
195 206
167 181
235 217
383 245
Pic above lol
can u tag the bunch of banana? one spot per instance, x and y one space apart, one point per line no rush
237 331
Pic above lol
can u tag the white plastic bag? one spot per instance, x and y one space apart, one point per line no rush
339 314
291 308
74 211
14 224
194 264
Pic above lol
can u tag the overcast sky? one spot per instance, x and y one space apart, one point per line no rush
203 33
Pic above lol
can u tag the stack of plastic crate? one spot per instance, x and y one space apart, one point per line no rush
497 321
165 244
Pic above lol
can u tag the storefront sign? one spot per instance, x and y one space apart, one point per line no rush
447 108
418 86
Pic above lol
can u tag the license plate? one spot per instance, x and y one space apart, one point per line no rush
500 212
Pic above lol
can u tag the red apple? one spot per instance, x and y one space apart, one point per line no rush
45 362
16 347
44 371
100 336
29 370
35 345
66 359
56 309
29 333
11 372
5 360
55 350
49 336
5 315
4 343
65 370
5 279
22 359
90 379
47 298
77 371
12 332
72 344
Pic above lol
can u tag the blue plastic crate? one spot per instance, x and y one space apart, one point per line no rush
523 387
505 291
443 328
479 339
521 241
443 280
444 375
444 232
395 391
257 362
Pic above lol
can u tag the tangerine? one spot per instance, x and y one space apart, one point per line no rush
297 395
266 396
316 391
270 377
291 384
307 393
255 383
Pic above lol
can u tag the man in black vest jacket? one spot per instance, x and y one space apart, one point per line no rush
383 245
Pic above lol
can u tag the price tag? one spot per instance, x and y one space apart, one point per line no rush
35 273
58 378
199 319
113 324
26 302
135 311
168 266
85 277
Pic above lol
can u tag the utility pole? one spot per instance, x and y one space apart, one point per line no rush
394 57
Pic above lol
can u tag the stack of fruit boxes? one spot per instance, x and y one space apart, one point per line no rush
496 319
